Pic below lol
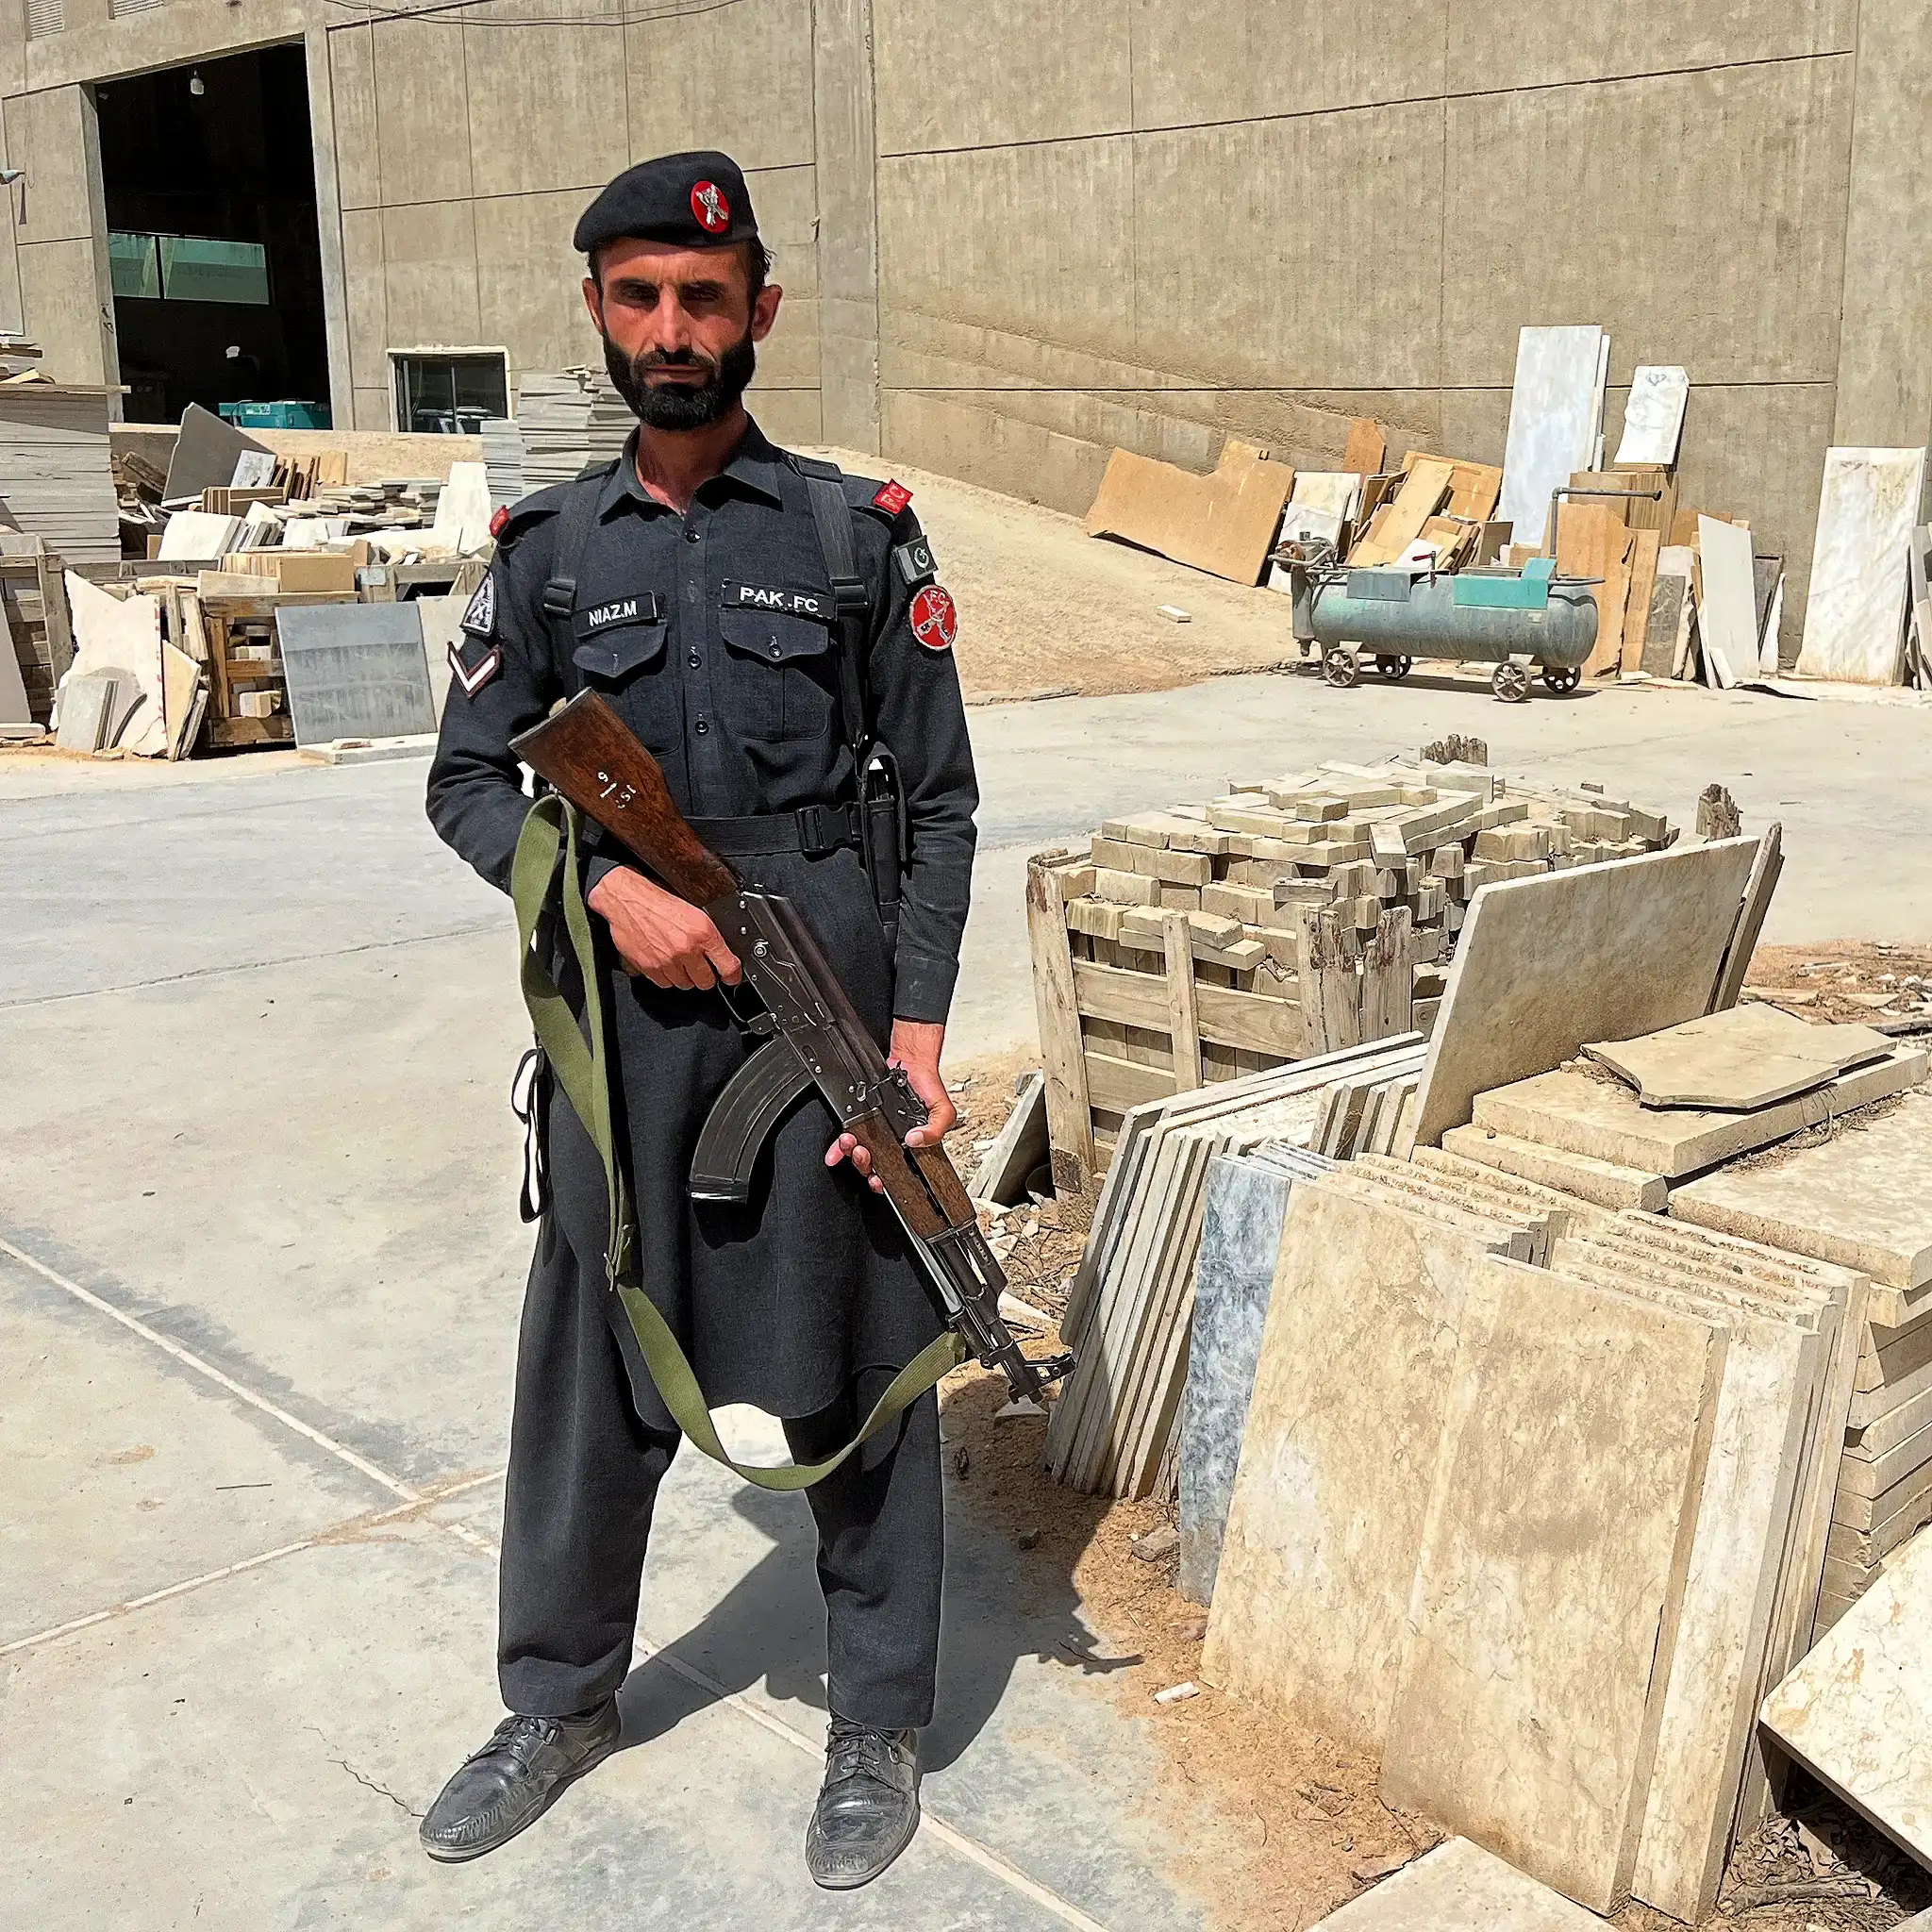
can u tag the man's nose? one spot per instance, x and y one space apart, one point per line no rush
669 326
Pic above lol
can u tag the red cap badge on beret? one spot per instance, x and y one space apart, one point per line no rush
712 211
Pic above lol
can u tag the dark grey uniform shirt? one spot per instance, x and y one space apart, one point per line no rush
712 633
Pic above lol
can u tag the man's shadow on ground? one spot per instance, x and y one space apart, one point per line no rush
1001 1606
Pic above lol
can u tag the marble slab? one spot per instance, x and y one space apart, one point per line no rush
1602 952
1744 1056
1727 605
462 508
1854 619
1653 415
1555 408
122 635
354 671
1241 1242
1857 1711
1460 1888
1604 1120
1862 1199
1310 1605
1554 1552
1601 1183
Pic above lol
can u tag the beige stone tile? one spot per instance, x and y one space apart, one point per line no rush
1311 1601
734 77
1253 59
1745 1056
430 274
1606 1121
1244 235
1557 1538
1460 1888
1599 951
1857 1711
1522 43
950 77
1727 260
421 113
1600 1182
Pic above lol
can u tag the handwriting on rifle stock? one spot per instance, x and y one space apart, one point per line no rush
616 792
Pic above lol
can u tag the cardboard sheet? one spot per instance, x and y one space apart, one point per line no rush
1223 524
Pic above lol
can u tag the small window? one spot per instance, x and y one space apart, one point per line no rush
135 266
195 268
450 396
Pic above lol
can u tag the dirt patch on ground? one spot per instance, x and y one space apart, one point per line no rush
1045 610
1844 980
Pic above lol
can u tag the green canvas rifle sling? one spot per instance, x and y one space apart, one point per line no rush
582 1068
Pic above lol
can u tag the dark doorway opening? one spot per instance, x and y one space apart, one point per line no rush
216 265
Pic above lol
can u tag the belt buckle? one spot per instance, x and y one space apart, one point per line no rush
811 831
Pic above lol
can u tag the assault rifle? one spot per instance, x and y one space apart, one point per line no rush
812 1033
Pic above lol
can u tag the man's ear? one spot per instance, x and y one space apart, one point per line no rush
594 301
764 311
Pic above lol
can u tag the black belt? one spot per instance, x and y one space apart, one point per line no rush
812 829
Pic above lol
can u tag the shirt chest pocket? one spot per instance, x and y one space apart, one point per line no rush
617 639
784 673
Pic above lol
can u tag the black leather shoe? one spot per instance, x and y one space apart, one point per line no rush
868 1806
514 1779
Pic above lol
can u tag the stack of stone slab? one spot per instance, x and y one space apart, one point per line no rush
1532 1503
1861 1199
1290 917
1130 1304
569 418
503 459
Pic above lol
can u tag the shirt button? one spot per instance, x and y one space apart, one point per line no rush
774 647
690 535
695 660
700 728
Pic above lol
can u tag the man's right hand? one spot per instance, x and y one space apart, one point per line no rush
666 939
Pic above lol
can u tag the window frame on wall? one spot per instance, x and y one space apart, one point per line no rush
216 269
406 399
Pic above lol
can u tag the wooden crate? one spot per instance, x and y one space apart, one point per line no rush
33 594
1124 1022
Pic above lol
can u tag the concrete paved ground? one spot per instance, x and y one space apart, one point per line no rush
259 1271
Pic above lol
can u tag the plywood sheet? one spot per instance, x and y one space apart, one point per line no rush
1644 546
1414 504
1223 524
1555 410
1857 1711
1367 447
1866 510
1325 1523
1554 1552
1473 488
1599 952
1727 607
1653 415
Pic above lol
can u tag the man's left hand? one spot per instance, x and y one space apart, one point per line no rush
916 1045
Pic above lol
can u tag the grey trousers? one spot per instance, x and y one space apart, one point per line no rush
584 1471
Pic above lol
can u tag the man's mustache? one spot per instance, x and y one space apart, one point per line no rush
673 358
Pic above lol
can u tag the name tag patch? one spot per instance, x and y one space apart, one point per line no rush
816 604
640 608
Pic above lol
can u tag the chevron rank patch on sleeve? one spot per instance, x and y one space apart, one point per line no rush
472 666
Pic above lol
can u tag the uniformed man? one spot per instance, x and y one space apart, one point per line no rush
688 583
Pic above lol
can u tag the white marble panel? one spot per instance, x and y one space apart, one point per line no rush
1555 412
1727 611
1866 510
1653 415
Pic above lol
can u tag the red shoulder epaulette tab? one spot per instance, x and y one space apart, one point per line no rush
498 518
893 498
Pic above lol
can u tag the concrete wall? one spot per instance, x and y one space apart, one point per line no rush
1125 222
1014 233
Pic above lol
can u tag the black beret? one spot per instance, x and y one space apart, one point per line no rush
695 200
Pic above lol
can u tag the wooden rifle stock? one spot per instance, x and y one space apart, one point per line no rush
585 752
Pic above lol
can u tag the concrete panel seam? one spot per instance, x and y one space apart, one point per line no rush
1445 100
